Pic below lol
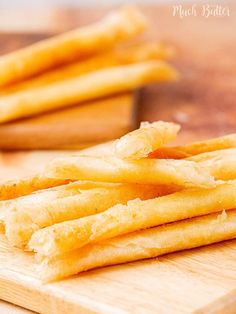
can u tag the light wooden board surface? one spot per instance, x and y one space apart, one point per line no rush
195 281
9 308
202 280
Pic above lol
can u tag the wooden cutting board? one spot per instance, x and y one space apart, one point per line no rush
196 281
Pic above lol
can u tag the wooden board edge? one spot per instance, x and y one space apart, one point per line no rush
38 301
223 305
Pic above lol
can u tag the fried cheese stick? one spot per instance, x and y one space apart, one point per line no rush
143 171
149 243
32 202
136 215
16 188
86 87
221 163
82 42
47 207
150 136
125 55
195 148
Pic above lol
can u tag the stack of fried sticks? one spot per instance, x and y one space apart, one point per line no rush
81 65
143 200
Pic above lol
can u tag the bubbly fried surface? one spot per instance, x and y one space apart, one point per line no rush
145 171
144 244
146 139
134 216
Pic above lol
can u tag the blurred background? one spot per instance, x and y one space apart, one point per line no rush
80 3
203 99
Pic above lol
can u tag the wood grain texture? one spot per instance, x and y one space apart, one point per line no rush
8 308
203 101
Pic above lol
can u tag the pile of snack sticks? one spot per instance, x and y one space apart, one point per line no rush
141 200
84 64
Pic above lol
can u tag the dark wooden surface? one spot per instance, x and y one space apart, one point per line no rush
203 101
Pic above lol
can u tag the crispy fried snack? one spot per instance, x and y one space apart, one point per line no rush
144 244
136 215
221 163
16 188
83 42
89 86
18 202
214 156
125 55
47 207
150 136
143 171
168 153
227 141
192 149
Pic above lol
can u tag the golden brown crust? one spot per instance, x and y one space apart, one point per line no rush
144 244
89 86
120 56
227 141
143 171
114 28
72 201
221 163
136 215
149 137
17 188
